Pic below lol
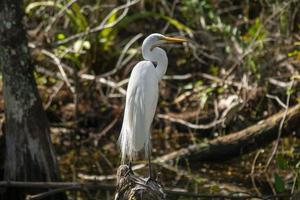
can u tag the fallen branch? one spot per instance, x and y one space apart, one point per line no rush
63 186
248 139
55 185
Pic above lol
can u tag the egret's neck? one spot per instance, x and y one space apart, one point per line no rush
158 56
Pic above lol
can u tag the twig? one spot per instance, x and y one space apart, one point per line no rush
58 15
24 184
190 125
252 172
171 13
112 84
294 182
103 24
178 77
49 193
104 81
60 67
270 183
57 88
278 83
121 58
277 99
280 127
221 81
96 178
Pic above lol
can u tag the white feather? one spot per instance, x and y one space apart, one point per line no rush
141 101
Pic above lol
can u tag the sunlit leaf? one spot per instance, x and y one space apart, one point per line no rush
107 35
177 24
60 36
142 15
80 45
203 100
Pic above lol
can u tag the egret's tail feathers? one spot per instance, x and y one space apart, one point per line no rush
134 134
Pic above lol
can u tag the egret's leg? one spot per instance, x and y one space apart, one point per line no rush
130 169
149 166
130 165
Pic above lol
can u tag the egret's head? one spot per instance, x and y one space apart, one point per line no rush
156 39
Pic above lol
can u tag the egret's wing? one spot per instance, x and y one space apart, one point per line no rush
141 100
150 101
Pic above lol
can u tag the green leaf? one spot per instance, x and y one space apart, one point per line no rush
107 35
203 100
214 70
60 36
279 184
79 19
177 24
154 15
281 162
74 13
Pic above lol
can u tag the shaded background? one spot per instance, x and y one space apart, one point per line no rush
241 65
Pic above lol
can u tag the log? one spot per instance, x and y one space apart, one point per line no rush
241 142
132 187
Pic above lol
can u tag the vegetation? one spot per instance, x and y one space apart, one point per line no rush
241 65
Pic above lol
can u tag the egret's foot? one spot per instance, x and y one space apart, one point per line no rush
129 169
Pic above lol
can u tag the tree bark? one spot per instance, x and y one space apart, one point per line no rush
131 187
29 153
241 142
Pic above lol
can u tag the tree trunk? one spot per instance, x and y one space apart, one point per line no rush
29 153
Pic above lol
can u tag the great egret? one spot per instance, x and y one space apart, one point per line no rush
141 98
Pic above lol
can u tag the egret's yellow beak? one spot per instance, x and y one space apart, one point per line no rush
174 39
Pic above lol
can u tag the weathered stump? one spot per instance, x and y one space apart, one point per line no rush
131 187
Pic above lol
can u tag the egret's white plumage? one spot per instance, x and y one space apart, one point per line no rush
142 96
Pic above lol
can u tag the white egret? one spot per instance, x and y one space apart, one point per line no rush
141 98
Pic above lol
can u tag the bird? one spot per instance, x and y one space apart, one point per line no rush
142 97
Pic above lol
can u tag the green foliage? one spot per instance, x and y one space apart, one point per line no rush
108 35
256 32
281 162
202 8
73 13
279 183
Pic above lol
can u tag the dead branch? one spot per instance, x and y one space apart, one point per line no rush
248 139
130 187
63 186
55 185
